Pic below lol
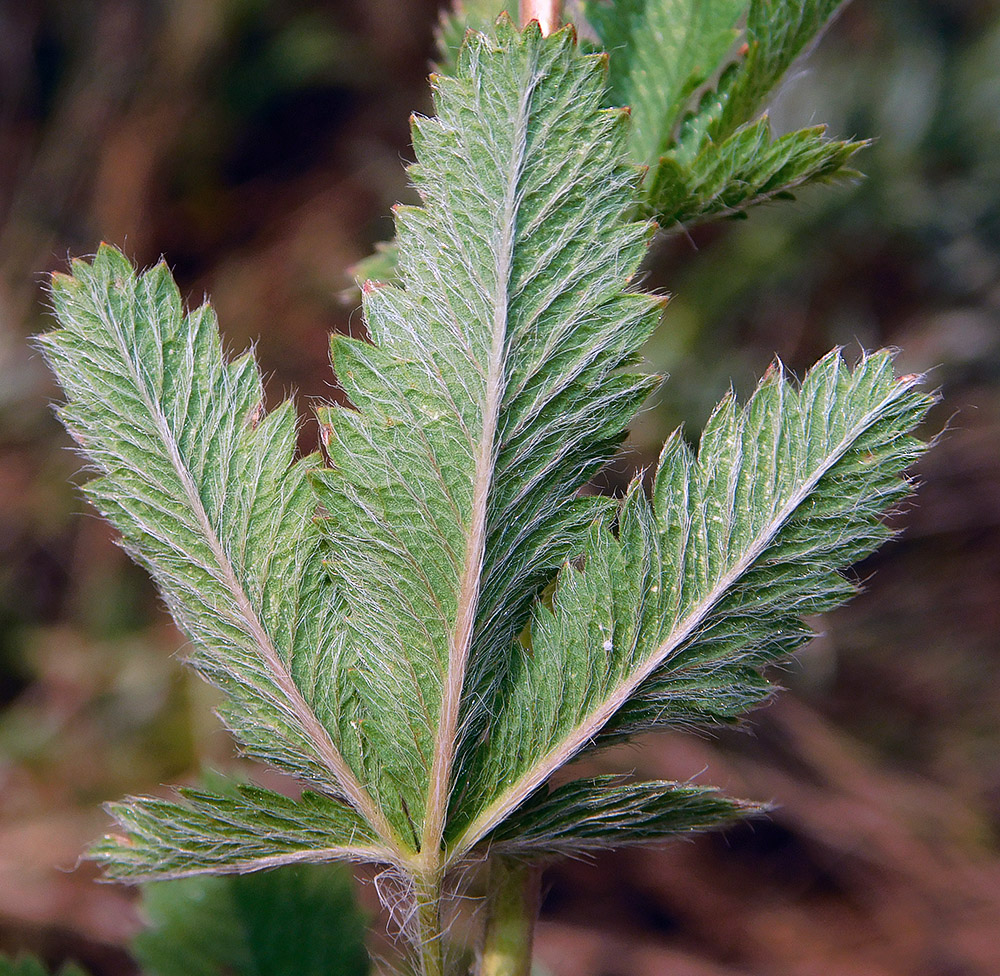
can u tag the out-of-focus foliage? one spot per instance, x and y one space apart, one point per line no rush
293 921
30 966
302 920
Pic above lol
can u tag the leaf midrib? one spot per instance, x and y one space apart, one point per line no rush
446 743
585 732
314 729
311 855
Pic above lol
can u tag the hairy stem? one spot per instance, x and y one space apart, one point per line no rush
548 13
428 937
511 910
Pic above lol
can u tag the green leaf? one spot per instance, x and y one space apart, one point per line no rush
602 813
717 161
491 393
24 965
201 484
672 621
293 921
661 51
746 169
243 829
778 31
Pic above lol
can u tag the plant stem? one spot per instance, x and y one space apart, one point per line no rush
429 937
548 13
511 910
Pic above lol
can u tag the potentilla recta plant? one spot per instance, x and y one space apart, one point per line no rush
427 619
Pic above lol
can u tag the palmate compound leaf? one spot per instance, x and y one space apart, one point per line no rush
200 483
492 391
490 394
672 621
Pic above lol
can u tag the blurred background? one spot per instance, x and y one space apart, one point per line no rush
258 145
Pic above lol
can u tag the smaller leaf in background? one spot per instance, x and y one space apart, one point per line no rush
715 161
747 168
778 31
660 52
293 921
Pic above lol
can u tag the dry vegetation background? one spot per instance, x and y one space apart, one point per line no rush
257 144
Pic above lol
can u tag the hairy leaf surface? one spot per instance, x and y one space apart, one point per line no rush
243 829
746 169
672 620
201 484
601 813
489 395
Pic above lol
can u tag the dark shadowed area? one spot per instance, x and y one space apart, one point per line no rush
258 145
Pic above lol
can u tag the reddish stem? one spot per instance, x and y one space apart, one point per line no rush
548 13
